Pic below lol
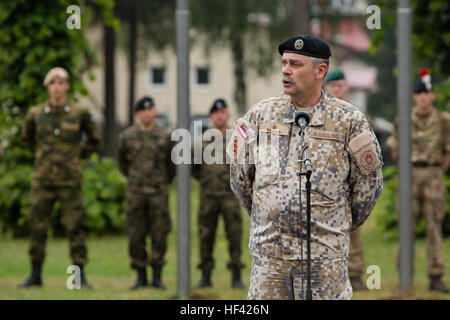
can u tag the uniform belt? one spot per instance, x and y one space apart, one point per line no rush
425 164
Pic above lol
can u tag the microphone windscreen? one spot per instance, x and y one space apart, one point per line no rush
300 115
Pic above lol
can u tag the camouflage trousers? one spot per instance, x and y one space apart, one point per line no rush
147 215
277 279
210 208
356 259
429 199
42 201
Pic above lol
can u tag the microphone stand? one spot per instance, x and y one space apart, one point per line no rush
304 158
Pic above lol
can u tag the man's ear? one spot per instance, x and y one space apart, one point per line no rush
432 95
227 115
322 71
68 85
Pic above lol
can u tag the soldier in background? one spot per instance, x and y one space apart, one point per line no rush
217 198
144 158
52 131
337 85
430 155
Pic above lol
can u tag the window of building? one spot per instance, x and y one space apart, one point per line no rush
158 75
203 76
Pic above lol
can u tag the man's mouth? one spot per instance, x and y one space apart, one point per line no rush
287 81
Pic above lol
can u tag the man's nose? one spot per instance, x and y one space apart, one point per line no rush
286 70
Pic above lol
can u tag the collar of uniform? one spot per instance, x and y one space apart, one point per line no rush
48 108
318 116
432 115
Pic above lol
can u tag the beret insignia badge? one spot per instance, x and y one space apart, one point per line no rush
298 44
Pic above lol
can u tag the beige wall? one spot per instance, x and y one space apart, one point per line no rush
221 84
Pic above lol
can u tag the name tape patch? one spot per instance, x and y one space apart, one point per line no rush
320 134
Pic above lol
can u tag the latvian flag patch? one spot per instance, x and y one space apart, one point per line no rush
242 129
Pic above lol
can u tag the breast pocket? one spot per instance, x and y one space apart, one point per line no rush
272 152
70 131
135 147
331 167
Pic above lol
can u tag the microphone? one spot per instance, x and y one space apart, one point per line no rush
301 120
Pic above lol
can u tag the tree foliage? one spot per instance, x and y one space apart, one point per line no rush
145 26
251 29
155 20
34 38
430 46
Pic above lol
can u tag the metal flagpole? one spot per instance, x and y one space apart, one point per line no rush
183 170
406 236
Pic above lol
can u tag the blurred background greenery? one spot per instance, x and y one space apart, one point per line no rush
34 38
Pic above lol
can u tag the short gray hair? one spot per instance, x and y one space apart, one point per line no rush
316 61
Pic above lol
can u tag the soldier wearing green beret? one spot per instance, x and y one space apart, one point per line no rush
145 159
217 199
52 131
337 85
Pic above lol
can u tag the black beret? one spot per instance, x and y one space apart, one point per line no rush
218 105
144 103
420 87
307 45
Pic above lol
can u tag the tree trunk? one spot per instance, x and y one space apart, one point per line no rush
132 63
109 133
240 90
300 19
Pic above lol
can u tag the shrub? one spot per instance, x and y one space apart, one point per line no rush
103 193
385 211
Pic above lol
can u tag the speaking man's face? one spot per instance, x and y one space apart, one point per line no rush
299 74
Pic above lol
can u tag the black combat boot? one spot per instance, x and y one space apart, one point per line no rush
83 281
141 280
357 284
157 283
436 284
236 280
206 280
35 278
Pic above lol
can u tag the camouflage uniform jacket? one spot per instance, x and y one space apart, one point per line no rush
430 137
145 158
54 136
346 179
214 178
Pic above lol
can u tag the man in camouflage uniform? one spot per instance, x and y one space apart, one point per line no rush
52 131
144 158
337 85
217 198
346 179
430 135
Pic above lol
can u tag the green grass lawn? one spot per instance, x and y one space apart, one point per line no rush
109 270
